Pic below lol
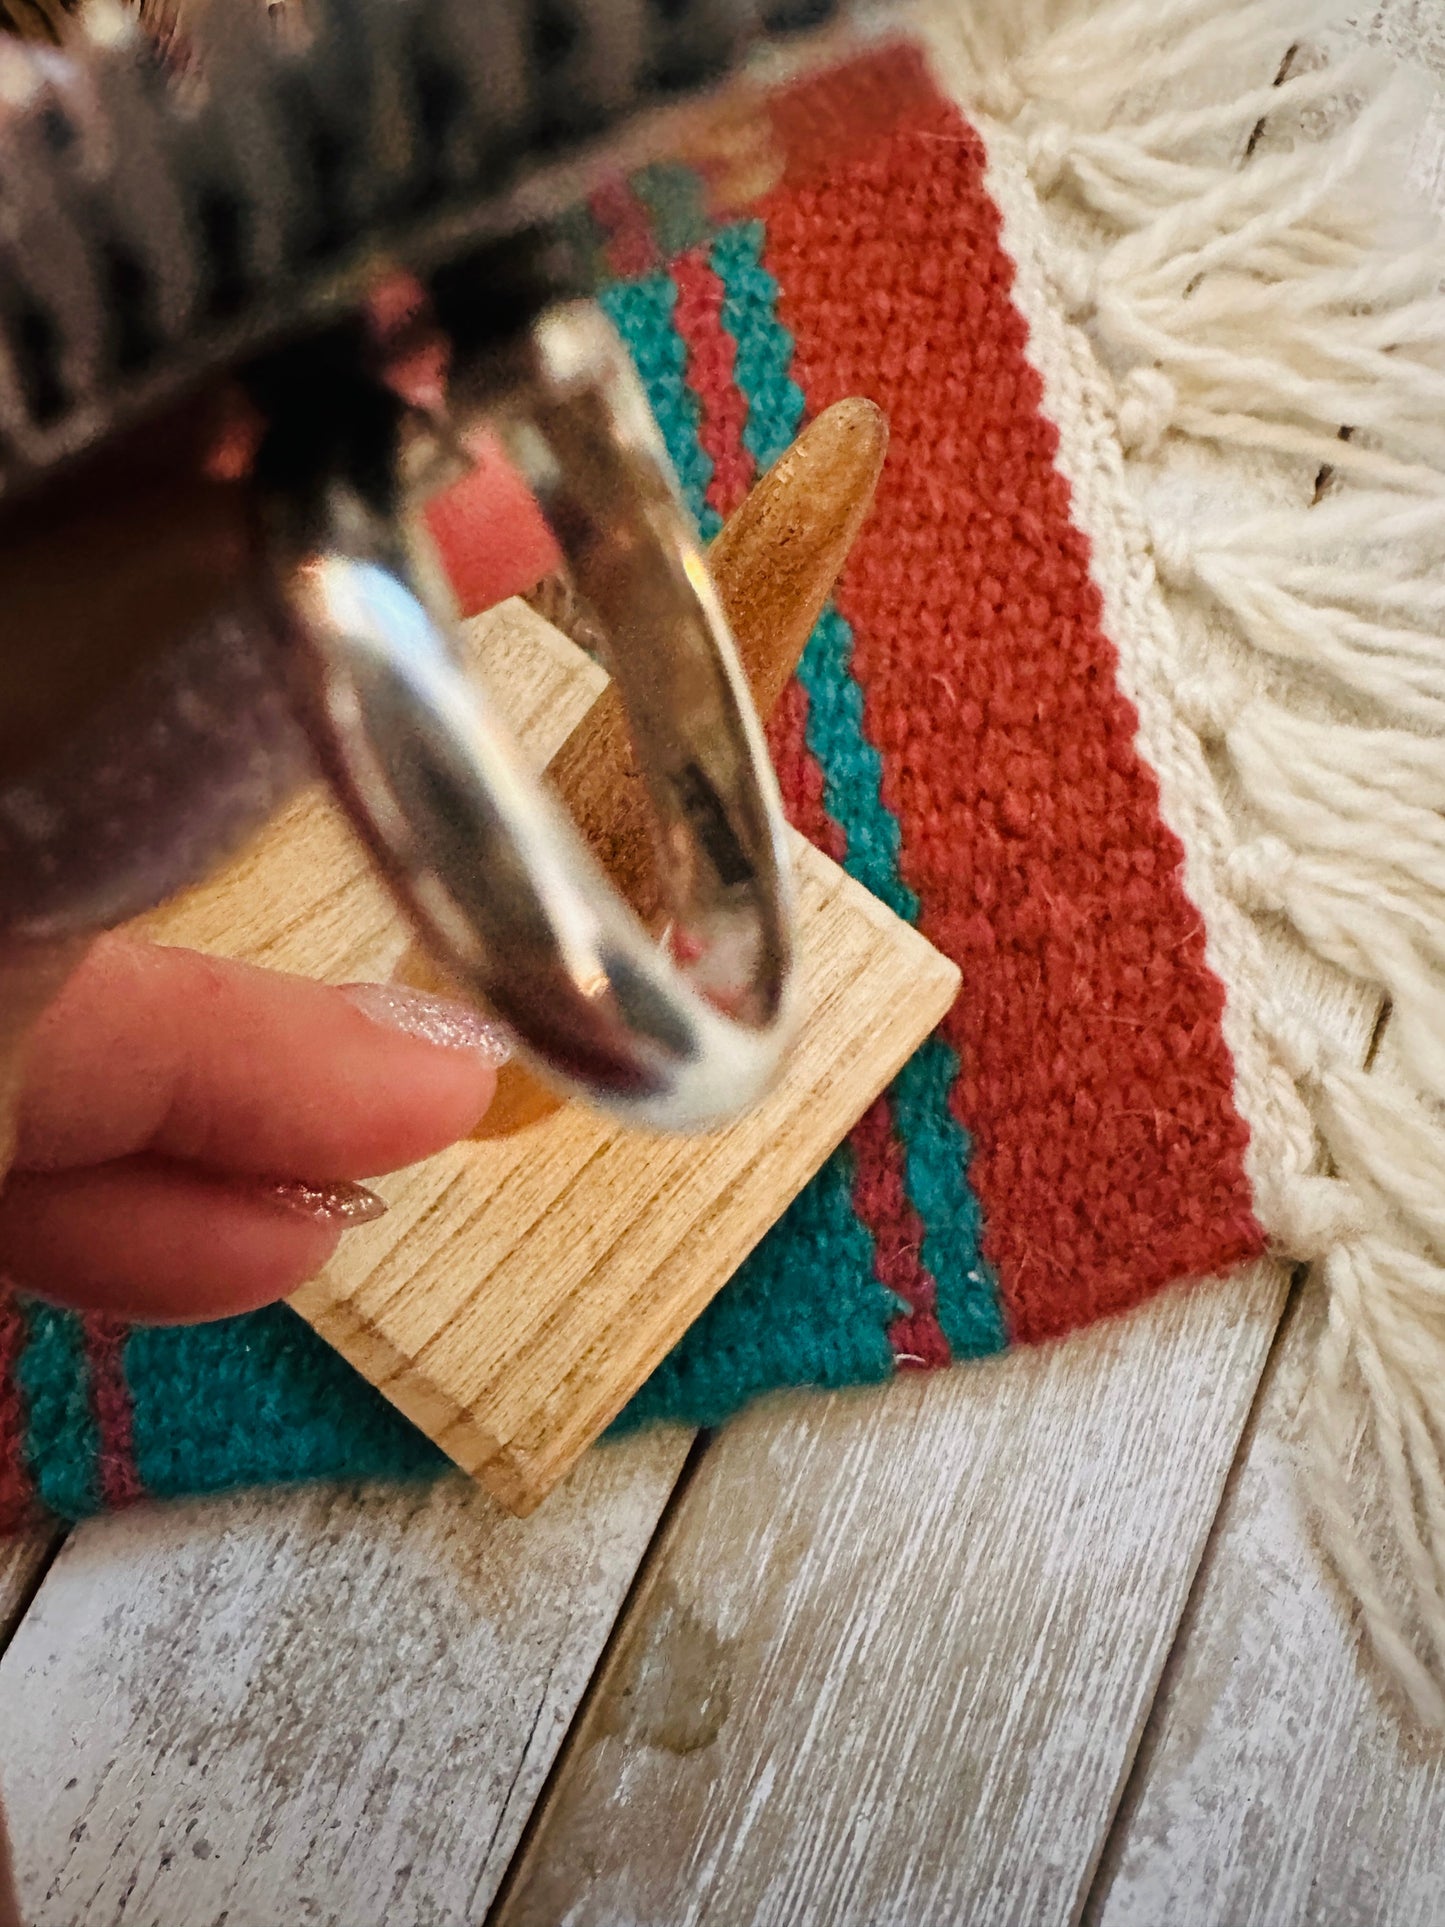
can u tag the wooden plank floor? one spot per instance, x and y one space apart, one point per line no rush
1274 1786
1033 1642
889 1662
319 1705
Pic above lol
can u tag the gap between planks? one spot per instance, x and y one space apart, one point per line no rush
888 1659
1280 1785
1146 1746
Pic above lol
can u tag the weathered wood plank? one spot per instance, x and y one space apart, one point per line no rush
322 1705
890 1661
1277 1785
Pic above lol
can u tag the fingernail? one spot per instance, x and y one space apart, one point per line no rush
436 1020
342 1203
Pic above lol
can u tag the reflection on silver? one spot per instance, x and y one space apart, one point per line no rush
490 867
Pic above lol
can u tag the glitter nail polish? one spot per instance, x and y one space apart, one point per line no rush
341 1203
436 1020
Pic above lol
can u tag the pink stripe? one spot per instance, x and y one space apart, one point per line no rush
17 1493
711 356
626 224
120 1481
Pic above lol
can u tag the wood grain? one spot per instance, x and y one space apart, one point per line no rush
326 1705
521 1289
888 1664
1277 1785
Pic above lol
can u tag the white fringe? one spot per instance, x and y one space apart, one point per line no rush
1273 298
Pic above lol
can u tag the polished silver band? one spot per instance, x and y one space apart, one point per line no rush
484 858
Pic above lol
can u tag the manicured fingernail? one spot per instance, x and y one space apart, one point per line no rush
436 1020
341 1203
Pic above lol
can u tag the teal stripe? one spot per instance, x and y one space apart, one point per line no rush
936 1147
266 1399
61 1441
937 1151
852 767
642 313
764 346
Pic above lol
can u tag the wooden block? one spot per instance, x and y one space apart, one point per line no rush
520 1289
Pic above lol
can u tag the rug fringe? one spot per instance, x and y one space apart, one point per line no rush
1277 299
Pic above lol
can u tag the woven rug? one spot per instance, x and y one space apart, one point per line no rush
1125 700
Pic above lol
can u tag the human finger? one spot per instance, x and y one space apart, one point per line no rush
220 1064
166 1243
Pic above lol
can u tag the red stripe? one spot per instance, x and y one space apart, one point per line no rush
120 1481
711 354
880 1196
17 1493
629 245
1096 1083
799 777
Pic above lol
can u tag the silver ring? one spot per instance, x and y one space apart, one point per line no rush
480 853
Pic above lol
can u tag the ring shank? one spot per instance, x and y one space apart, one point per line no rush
480 853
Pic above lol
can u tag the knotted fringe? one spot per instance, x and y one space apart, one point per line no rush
1271 298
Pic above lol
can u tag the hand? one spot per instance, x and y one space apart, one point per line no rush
187 1133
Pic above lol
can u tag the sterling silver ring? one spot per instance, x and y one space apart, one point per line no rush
681 1035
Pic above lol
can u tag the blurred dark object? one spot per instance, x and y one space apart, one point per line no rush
190 188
